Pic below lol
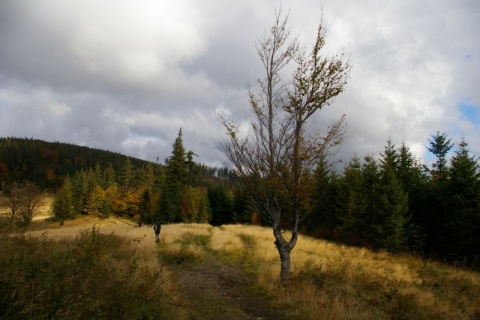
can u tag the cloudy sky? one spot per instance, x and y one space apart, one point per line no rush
126 75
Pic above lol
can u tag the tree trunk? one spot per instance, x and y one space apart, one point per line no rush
284 251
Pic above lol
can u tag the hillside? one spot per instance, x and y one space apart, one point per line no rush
231 272
47 163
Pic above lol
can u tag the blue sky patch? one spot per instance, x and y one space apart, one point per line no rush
471 113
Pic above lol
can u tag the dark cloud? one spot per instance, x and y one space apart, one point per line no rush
126 76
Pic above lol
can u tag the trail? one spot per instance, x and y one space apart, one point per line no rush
209 289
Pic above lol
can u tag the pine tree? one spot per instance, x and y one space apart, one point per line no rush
95 201
440 145
460 229
222 204
389 158
371 192
174 201
322 219
108 177
79 195
126 176
413 179
389 227
351 204
63 207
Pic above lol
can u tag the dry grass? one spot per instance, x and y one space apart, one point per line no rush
91 276
224 241
331 281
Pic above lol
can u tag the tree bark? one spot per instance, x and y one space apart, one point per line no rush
284 250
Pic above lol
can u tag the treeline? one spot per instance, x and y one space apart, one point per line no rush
180 191
394 202
47 163
391 201
92 181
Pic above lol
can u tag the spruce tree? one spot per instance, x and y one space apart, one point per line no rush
174 203
322 220
460 229
440 145
413 179
63 207
371 191
392 207
351 204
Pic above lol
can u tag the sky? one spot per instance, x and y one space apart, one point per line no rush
126 75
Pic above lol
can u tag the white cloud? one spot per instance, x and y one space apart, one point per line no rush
126 75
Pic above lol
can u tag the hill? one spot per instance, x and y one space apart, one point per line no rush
47 163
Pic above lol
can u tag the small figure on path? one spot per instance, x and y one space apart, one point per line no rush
156 228
139 223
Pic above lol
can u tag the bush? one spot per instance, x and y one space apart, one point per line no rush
92 276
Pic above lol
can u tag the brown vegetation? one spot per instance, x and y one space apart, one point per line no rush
331 281
224 269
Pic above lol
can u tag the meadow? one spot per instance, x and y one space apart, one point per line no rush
331 281
99 272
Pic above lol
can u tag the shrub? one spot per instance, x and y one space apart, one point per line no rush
91 276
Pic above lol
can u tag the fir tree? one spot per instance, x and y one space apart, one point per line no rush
351 204
63 207
460 229
440 145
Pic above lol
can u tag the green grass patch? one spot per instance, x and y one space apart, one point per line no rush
189 248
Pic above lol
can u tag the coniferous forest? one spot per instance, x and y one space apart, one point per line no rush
390 201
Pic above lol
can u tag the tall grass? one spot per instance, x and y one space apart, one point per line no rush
331 281
91 276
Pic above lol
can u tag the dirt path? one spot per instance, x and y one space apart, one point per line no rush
217 290
210 288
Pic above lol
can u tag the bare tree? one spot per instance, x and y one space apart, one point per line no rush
31 197
22 200
277 159
15 200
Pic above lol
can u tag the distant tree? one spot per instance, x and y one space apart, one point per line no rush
4 174
126 176
63 207
111 194
284 148
15 200
95 201
204 209
108 177
31 198
192 168
222 203
175 202
79 192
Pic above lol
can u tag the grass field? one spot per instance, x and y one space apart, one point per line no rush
332 281
64 273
